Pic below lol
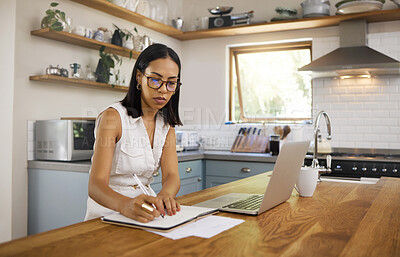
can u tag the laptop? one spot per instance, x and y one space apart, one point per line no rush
279 189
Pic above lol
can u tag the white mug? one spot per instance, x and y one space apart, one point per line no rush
307 181
80 30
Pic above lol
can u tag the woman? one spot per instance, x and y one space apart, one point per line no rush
137 136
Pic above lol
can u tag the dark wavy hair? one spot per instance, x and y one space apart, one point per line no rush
132 101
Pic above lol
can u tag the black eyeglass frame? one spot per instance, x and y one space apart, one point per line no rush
178 84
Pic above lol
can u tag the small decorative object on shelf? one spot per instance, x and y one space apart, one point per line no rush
75 70
54 19
356 6
285 13
106 62
123 37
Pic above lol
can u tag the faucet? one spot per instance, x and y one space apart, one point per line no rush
329 137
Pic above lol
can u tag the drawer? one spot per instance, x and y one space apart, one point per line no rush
186 170
236 169
190 169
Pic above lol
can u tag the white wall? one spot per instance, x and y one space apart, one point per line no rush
7 16
37 100
365 113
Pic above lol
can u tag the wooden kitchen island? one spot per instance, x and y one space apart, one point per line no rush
341 219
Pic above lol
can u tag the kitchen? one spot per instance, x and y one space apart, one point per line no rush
365 112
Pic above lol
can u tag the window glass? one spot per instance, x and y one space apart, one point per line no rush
265 83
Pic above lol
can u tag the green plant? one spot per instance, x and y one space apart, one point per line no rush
54 18
125 33
106 62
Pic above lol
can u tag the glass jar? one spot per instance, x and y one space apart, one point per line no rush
158 10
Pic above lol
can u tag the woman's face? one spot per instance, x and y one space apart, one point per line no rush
164 69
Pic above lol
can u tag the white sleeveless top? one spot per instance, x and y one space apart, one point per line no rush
133 155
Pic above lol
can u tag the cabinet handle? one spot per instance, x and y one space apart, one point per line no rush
188 170
199 179
156 174
247 170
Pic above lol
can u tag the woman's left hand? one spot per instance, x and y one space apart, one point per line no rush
170 204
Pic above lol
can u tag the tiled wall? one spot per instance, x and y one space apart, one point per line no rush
365 113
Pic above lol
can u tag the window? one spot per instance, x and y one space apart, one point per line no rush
266 86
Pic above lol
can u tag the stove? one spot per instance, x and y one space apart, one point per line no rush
357 163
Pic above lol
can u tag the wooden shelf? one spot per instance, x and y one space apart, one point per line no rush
118 11
77 82
74 39
306 23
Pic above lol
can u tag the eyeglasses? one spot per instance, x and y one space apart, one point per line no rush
156 83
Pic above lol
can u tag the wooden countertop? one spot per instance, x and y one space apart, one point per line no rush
341 219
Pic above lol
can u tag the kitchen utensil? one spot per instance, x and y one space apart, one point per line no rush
345 7
146 41
203 23
253 137
75 70
220 10
90 74
177 23
138 43
236 139
51 70
286 131
242 18
315 8
64 72
278 131
274 144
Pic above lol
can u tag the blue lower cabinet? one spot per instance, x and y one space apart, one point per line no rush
55 199
221 172
191 175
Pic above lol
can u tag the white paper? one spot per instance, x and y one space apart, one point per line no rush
205 228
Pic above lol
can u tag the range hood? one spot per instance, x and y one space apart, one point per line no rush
353 58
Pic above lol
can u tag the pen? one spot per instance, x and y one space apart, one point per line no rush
144 190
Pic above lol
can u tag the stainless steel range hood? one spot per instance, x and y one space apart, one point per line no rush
353 58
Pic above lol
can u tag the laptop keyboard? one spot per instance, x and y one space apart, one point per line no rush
253 202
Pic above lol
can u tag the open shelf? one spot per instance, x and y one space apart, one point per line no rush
74 39
118 11
77 82
306 23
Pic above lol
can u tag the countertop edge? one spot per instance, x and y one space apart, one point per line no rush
84 166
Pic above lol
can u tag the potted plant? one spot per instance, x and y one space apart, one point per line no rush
123 37
106 62
54 19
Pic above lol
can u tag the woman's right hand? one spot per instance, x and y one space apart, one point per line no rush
132 208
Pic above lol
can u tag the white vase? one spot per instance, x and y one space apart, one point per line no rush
127 43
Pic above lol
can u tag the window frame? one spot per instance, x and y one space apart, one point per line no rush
233 57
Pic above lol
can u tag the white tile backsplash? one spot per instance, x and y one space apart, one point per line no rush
365 112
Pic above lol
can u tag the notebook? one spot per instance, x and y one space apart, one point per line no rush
186 215
279 189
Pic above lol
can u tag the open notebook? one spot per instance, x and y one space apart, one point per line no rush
187 215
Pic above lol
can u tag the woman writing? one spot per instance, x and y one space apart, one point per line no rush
137 136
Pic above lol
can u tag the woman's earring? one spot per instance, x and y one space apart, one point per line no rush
139 87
